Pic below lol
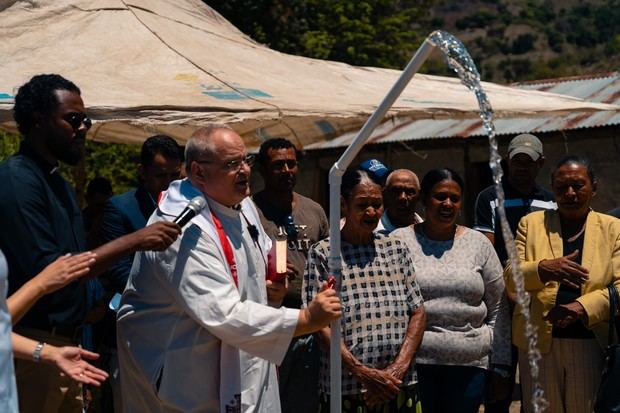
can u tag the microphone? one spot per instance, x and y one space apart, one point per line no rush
192 209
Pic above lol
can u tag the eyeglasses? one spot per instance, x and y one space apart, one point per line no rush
75 119
235 164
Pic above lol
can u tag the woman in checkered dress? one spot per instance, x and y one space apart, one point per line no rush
383 317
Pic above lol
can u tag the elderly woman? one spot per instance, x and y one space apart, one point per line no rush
460 276
383 314
568 257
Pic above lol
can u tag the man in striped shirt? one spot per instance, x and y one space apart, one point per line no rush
522 196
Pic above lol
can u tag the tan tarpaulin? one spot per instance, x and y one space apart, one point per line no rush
168 66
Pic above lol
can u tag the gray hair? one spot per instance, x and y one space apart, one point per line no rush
354 177
408 172
201 144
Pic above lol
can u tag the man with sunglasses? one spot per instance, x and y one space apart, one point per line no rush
286 214
41 221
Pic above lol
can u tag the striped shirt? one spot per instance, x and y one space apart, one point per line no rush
486 217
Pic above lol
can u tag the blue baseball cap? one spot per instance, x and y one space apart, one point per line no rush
376 168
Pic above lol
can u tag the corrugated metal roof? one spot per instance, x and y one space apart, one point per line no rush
604 88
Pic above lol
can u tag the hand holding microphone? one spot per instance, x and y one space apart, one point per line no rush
195 206
160 235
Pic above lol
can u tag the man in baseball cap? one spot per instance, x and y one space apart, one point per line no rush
523 195
527 144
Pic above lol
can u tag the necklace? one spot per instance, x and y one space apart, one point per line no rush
577 235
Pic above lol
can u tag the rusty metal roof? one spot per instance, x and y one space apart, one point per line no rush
604 88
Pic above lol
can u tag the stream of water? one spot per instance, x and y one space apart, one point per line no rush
460 61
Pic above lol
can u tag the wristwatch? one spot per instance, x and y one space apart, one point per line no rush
36 354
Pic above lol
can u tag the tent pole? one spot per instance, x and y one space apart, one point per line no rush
335 180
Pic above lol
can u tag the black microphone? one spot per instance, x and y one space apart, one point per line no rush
192 209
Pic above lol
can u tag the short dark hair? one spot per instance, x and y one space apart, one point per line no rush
354 177
578 160
38 96
273 143
159 144
434 176
99 185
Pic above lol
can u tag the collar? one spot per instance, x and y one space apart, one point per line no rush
223 210
387 223
26 149
262 198
512 192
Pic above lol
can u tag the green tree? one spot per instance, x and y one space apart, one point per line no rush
380 33
9 144
523 43
114 161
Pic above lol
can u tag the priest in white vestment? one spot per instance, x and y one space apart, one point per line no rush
195 333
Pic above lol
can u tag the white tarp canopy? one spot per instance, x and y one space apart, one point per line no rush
169 66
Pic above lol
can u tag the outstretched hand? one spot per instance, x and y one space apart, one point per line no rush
64 270
563 270
72 362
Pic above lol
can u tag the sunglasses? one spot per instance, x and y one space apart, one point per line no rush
76 119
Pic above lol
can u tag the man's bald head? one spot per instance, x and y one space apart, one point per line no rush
403 174
217 164
400 196
202 143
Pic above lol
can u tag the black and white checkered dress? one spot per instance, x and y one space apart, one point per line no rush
379 293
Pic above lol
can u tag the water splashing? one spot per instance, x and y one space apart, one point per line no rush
461 62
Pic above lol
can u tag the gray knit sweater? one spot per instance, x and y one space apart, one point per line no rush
467 319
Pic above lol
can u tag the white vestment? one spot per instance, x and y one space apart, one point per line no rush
189 340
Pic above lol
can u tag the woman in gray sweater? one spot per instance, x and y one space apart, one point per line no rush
460 277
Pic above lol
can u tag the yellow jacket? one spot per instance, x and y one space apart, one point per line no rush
539 237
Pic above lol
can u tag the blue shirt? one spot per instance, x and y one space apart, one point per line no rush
40 221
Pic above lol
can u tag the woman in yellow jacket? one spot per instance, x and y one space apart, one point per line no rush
568 257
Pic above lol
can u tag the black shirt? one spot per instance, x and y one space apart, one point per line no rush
516 206
40 220
567 295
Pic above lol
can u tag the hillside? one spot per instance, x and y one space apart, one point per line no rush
515 40
511 40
